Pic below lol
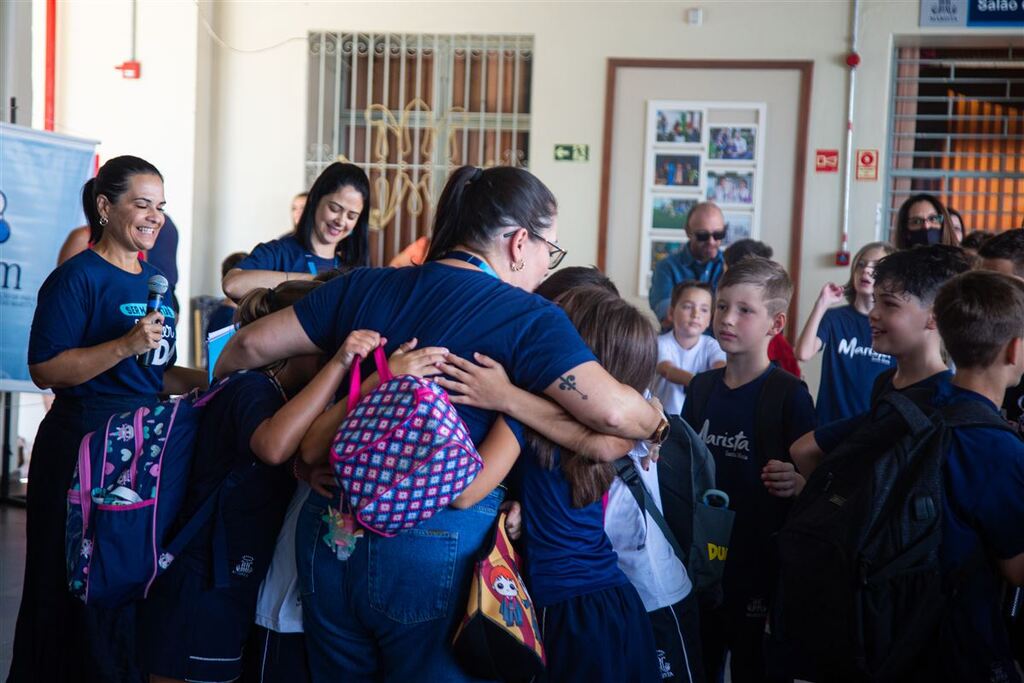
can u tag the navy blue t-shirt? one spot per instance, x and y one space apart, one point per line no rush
848 365
729 432
286 255
829 436
87 301
567 551
252 510
461 309
983 513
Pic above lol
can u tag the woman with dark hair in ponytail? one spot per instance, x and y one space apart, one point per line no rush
90 332
333 232
389 609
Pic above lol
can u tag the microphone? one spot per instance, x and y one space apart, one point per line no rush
157 288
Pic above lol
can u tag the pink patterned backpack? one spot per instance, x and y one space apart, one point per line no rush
402 453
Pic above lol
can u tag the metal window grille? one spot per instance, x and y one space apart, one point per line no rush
957 131
411 108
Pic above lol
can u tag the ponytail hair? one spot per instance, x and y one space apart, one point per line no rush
262 301
626 344
477 204
354 250
111 182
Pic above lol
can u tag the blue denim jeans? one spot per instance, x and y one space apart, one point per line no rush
388 612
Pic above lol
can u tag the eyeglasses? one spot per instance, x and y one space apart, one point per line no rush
705 236
918 221
555 255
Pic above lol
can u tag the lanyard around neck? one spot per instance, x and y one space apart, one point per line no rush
311 264
473 260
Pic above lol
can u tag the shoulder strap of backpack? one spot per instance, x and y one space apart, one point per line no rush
772 413
973 414
698 394
626 470
880 383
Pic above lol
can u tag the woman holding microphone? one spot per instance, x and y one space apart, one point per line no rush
95 344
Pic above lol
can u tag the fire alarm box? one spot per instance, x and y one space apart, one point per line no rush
130 69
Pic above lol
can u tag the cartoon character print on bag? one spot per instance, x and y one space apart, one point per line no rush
503 584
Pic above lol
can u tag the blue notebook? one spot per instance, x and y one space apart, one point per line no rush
215 343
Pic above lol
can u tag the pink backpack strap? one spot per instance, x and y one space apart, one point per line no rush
356 374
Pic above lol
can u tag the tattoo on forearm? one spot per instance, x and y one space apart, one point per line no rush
568 383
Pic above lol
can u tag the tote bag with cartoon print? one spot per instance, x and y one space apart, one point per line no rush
499 638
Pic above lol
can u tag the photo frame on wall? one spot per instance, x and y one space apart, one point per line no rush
739 226
732 143
699 151
679 126
731 188
669 213
678 170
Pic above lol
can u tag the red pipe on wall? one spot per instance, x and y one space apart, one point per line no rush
51 59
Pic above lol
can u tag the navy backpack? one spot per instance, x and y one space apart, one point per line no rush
126 494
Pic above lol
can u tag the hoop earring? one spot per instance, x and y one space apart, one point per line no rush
518 266
103 222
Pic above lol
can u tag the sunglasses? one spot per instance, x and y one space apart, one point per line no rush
705 236
555 254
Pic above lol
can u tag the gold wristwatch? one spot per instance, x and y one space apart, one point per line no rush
660 432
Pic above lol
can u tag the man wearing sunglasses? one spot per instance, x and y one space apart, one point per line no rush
699 259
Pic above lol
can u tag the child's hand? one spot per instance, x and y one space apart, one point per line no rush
358 343
781 479
320 477
513 518
423 362
483 386
831 293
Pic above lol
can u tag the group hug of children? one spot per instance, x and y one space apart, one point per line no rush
615 600
613 597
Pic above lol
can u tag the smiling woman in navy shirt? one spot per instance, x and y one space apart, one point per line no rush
389 609
90 324
333 232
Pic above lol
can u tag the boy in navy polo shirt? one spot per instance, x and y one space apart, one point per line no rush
902 326
981 318
750 309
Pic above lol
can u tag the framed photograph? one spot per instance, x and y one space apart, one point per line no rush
732 143
740 226
677 170
669 213
678 126
659 252
734 188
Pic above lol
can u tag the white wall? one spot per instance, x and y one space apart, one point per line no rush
152 117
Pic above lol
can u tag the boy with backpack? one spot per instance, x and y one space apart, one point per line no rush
903 327
748 414
890 560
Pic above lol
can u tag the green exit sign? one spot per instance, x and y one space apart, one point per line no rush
572 152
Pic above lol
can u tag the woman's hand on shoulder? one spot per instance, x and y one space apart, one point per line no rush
425 362
483 384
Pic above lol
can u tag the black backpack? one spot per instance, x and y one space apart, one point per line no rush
698 532
860 594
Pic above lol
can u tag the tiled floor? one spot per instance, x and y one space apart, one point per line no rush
12 567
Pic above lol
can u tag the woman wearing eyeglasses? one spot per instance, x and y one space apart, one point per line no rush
388 611
699 259
923 219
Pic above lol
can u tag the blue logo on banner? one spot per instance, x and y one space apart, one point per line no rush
5 227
